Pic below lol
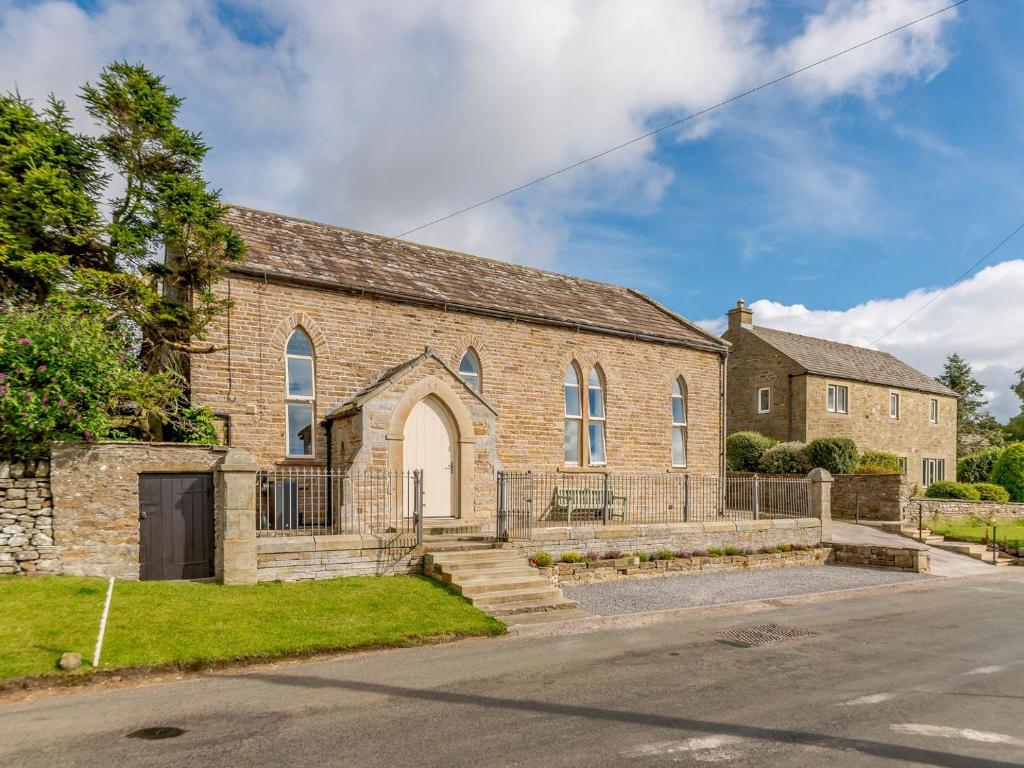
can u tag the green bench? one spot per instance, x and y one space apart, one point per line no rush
569 501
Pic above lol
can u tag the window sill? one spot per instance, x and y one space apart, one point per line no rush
301 460
591 470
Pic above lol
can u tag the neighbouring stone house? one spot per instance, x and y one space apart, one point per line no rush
794 387
355 351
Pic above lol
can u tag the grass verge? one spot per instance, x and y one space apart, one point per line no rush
975 530
165 623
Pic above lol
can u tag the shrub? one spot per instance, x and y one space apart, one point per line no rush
542 559
732 551
1009 471
978 467
948 489
612 554
766 550
836 454
571 557
715 552
878 463
785 459
663 554
743 450
65 376
991 492
591 556
682 554
644 556
700 553
782 548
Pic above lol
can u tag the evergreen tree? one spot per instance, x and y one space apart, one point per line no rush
976 428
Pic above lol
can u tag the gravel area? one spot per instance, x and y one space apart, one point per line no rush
686 591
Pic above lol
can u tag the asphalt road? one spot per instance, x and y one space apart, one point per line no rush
930 677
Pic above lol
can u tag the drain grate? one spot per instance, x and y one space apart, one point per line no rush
763 634
157 732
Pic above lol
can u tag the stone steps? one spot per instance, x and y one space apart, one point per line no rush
500 582
977 551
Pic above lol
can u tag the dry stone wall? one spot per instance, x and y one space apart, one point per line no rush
962 508
913 559
26 519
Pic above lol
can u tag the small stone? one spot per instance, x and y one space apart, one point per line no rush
5 470
17 470
17 541
42 468
15 493
70 661
13 529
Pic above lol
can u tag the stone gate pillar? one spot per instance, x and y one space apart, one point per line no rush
235 511
820 481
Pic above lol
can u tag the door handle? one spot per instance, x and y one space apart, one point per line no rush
142 515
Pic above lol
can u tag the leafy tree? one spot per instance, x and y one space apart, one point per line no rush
977 467
1018 388
1009 471
1015 428
975 428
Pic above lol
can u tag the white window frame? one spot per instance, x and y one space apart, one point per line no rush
305 399
577 418
832 392
768 391
679 427
903 464
933 411
932 471
894 405
477 375
597 373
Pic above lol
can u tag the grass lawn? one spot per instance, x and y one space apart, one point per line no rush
160 622
972 529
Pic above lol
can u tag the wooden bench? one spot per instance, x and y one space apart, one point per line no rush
573 500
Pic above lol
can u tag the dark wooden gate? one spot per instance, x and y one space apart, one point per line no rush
175 526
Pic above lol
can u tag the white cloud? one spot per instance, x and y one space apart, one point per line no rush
969 319
383 115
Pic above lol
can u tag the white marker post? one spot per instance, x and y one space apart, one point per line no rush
103 624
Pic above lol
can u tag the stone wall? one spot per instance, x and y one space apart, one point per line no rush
752 534
297 558
872 497
26 519
96 500
961 508
908 558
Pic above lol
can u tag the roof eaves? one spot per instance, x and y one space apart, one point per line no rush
688 324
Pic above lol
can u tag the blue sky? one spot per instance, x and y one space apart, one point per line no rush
837 202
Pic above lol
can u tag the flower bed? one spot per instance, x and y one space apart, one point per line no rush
631 566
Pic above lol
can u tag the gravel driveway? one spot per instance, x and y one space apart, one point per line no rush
686 591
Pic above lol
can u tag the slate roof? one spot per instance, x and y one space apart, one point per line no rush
360 262
845 361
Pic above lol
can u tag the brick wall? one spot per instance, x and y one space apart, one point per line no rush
523 365
26 519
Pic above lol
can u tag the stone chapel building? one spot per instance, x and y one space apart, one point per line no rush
351 350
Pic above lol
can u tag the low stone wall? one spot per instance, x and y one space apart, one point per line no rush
631 567
26 519
961 508
96 500
296 558
909 558
746 534
871 497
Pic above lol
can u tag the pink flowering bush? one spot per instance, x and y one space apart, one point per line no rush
65 376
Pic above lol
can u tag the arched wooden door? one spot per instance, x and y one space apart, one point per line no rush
430 443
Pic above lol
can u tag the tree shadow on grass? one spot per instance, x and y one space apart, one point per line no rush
786 736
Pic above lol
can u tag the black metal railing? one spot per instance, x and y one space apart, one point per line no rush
526 500
312 501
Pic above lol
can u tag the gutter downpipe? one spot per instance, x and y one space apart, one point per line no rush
723 380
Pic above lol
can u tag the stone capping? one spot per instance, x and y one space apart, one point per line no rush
272 545
962 508
658 530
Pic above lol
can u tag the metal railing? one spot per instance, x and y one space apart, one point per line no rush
295 501
527 500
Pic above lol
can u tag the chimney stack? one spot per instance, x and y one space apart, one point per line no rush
740 317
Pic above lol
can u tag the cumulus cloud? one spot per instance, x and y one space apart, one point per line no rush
383 115
969 319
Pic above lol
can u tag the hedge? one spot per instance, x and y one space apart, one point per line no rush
978 467
786 459
948 489
878 463
1009 471
836 454
743 450
991 492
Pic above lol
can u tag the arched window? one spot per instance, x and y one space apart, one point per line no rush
573 415
469 370
299 393
595 416
678 423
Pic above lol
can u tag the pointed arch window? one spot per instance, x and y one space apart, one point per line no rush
300 393
469 370
595 417
679 423
573 415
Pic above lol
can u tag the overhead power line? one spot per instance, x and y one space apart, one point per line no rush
674 123
949 287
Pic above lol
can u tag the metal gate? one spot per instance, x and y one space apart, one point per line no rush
175 526
515 505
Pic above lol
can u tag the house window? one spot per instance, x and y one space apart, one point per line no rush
469 370
903 465
764 400
894 405
933 412
573 415
595 417
678 423
933 470
299 394
836 400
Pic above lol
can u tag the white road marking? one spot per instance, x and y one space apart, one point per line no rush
873 698
694 744
948 732
986 670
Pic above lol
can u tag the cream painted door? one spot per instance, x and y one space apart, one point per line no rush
429 444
